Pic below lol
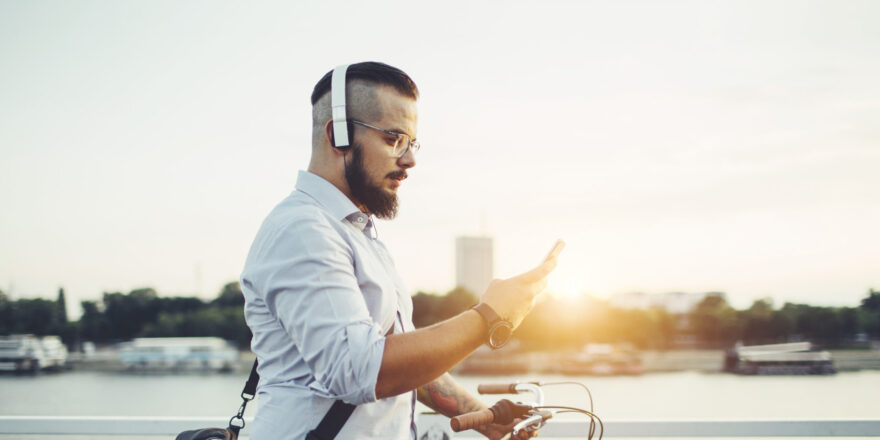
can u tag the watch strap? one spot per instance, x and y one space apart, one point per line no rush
495 325
488 313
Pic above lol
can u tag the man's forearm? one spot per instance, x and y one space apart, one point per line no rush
447 397
416 358
413 359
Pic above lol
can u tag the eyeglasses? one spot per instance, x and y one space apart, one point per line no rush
402 141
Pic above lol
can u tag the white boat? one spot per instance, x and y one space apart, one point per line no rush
55 353
30 353
206 353
787 358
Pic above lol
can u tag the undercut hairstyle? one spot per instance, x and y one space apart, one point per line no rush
373 72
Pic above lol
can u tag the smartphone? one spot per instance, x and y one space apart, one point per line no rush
557 249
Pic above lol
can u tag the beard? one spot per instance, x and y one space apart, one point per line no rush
378 202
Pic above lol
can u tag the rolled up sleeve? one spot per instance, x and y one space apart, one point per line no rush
311 288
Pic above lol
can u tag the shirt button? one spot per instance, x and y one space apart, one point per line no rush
360 219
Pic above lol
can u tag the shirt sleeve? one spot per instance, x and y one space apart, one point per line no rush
309 285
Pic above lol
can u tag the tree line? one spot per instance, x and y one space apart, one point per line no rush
120 317
554 323
711 324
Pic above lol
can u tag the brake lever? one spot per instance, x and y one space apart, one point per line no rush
533 422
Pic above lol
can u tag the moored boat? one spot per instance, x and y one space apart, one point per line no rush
29 353
789 358
205 353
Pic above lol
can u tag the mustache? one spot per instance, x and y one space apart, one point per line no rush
400 174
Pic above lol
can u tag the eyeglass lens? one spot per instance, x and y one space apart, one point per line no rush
404 143
401 145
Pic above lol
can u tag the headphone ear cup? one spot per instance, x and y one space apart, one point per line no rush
333 138
350 136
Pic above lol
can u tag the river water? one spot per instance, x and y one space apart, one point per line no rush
680 395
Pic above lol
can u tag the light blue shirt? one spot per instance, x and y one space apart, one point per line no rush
321 292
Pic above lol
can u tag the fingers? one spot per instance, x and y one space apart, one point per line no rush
539 272
525 435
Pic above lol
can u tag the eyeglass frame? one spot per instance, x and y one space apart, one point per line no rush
413 142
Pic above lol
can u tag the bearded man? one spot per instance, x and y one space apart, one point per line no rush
331 318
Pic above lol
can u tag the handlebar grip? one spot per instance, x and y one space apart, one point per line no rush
472 420
497 388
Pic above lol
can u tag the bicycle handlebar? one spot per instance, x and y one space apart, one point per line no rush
502 412
513 388
472 420
497 388
528 416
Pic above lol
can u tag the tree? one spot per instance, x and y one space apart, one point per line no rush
872 301
127 314
35 316
454 302
230 295
179 304
61 307
5 314
429 308
762 325
424 309
869 313
93 324
714 322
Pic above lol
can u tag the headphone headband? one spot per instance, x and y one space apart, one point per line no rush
337 103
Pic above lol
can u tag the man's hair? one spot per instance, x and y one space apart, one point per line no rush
374 72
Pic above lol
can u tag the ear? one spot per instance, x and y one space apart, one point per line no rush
328 132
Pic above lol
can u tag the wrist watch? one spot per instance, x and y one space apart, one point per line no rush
500 329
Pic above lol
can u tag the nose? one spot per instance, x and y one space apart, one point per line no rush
408 160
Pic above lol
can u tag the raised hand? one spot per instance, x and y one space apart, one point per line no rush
513 298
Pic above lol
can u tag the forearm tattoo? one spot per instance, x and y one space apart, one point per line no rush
446 397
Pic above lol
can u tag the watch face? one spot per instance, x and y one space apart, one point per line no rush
499 334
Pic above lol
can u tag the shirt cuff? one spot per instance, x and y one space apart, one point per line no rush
354 376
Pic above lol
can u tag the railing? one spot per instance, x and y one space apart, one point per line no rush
165 426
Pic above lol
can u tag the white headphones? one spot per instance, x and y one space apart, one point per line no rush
337 103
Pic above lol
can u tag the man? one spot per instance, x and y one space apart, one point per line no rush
330 316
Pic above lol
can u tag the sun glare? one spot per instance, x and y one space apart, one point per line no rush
566 281
574 281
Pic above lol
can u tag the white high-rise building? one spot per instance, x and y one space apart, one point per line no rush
474 263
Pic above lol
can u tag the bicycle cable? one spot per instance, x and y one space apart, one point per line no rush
593 417
589 394
589 397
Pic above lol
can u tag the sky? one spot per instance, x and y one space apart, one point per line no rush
676 146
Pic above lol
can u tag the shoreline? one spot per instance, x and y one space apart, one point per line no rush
652 361
649 361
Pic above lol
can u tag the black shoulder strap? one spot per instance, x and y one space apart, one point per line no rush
332 422
329 427
247 394
250 387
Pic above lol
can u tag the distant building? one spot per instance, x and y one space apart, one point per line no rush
672 302
474 263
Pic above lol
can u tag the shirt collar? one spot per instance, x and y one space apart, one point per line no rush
332 199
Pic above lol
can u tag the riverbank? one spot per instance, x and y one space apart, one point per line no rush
709 361
713 360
